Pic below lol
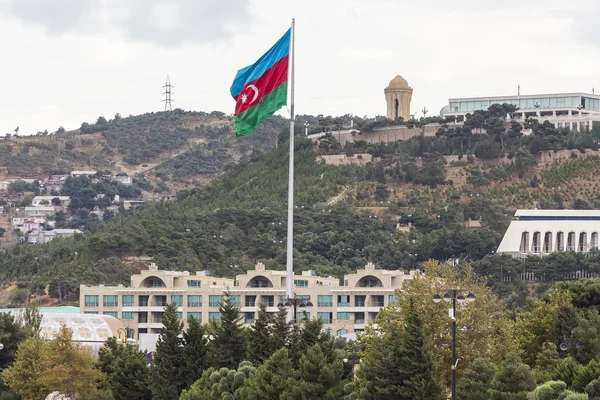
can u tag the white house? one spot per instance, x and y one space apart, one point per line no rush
40 211
47 200
38 237
86 173
541 232
124 179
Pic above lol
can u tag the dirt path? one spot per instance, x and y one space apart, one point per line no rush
337 198
142 168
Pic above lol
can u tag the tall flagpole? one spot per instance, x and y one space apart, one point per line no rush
289 281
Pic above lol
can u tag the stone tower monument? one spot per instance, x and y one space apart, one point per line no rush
398 95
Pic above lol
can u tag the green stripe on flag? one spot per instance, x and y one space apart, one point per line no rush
246 122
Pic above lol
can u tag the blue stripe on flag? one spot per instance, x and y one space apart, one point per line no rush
254 71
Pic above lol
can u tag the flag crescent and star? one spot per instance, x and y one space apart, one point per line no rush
260 89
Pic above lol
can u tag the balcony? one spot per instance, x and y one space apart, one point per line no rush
194 304
91 304
159 303
359 304
344 304
324 304
359 321
376 304
143 321
250 321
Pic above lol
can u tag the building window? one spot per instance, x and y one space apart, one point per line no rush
154 283
128 315
91 300
128 301
235 300
214 316
250 301
249 317
359 318
112 313
325 317
110 301
144 301
177 299
343 315
194 283
324 301
359 301
343 301
90 312
269 301
301 283
180 315
341 332
214 301
302 316
392 298
194 301
196 315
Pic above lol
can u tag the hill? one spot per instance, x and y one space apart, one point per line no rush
179 148
345 215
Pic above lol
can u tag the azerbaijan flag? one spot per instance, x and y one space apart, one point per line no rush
261 88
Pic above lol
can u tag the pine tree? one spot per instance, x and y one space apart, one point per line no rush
379 371
294 343
419 379
273 380
228 347
126 370
546 362
259 337
194 351
279 329
129 378
166 378
476 379
512 381
319 377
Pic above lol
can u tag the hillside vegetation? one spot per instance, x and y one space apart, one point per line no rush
186 147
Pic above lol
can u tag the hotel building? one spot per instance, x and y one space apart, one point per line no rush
575 111
541 232
344 307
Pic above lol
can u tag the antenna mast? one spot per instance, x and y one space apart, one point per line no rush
168 94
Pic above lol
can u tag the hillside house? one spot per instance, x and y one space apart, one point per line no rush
40 236
41 211
124 179
47 200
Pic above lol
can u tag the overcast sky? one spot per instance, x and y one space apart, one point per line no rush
63 62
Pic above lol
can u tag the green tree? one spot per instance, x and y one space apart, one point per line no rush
546 362
59 364
319 377
279 329
228 346
585 375
126 370
166 376
379 372
548 391
512 381
259 337
417 371
24 377
195 351
11 336
273 380
220 384
476 380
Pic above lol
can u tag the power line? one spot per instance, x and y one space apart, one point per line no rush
168 93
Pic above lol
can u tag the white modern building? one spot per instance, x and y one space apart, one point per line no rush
575 111
541 232
344 306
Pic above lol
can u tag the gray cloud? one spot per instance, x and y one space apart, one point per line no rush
163 22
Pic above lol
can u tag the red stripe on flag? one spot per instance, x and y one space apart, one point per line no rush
253 91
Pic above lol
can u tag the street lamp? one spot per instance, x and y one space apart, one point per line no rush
454 295
126 332
1 346
295 302
306 124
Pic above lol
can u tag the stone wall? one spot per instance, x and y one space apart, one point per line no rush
342 159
